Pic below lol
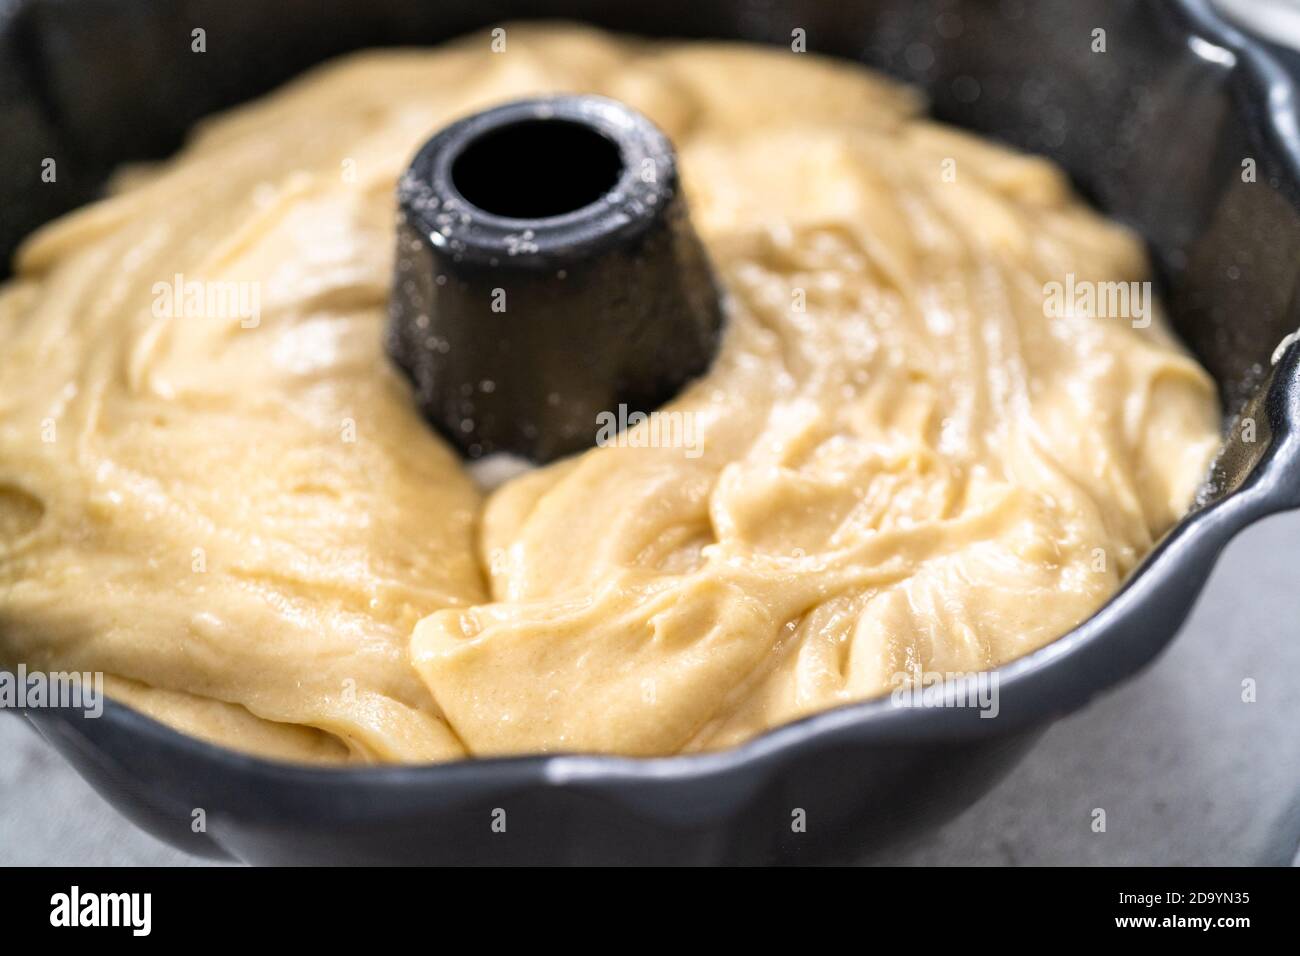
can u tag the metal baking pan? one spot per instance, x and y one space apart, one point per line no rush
1155 131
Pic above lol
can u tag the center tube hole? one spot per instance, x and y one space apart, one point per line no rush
537 168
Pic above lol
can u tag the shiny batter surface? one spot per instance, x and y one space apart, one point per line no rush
906 467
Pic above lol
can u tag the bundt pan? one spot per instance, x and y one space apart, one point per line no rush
1157 131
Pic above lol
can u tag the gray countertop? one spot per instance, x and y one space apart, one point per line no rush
1187 772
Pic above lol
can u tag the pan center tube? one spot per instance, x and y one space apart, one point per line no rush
546 272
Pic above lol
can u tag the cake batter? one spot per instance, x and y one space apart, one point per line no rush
906 464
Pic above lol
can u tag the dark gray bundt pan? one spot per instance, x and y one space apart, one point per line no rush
1155 131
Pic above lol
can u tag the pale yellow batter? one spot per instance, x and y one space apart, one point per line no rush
907 466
